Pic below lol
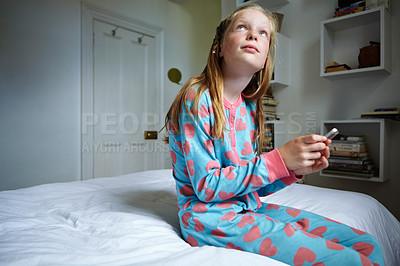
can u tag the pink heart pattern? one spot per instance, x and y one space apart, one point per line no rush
364 248
302 255
192 241
253 234
204 111
319 231
185 217
289 230
302 224
248 149
188 129
267 249
229 216
218 180
232 246
293 212
224 196
191 94
218 233
334 246
246 219
198 226
210 194
255 180
240 125
228 172
209 144
200 207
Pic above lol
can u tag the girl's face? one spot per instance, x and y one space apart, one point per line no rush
246 42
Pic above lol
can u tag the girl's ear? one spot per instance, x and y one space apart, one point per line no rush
221 53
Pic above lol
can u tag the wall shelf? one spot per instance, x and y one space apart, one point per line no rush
281 74
379 137
342 38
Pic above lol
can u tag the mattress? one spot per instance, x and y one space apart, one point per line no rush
132 220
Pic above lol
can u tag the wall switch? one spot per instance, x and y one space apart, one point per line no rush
150 135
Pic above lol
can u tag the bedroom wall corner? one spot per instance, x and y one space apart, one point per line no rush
311 99
40 77
40 92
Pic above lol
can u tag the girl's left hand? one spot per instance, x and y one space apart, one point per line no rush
306 154
319 163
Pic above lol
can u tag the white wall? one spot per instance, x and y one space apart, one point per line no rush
39 92
40 76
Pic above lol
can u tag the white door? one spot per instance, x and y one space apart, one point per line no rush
125 101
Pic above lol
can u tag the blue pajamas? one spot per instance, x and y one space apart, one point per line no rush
219 182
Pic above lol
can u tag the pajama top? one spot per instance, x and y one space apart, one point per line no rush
219 182
212 173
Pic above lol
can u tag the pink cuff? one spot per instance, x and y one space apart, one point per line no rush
277 168
275 165
292 178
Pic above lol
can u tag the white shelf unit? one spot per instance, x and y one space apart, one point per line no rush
265 3
342 38
282 61
380 137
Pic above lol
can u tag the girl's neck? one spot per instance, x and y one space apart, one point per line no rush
233 87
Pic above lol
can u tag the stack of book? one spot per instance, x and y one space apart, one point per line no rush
349 156
351 9
269 106
268 144
391 113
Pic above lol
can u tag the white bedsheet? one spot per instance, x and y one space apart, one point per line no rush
132 220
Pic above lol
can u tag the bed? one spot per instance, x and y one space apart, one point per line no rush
132 220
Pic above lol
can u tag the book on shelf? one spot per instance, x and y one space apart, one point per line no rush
348 153
350 160
350 137
335 68
346 145
349 156
268 144
390 113
350 174
350 9
269 101
381 113
269 107
352 167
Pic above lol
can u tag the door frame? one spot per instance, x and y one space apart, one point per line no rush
88 15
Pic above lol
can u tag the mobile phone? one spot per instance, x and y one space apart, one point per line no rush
332 133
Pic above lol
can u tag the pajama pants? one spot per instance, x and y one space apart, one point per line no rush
292 236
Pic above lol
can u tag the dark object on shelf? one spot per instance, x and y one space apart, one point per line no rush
369 56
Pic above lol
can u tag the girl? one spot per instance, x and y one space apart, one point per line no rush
215 127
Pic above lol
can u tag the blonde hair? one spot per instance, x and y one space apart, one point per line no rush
211 78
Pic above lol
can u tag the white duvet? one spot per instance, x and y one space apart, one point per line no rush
132 220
